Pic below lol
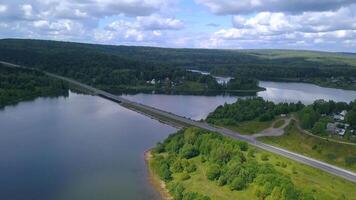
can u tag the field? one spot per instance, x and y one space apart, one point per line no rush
328 151
309 180
249 127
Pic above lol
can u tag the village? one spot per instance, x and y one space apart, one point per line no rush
339 127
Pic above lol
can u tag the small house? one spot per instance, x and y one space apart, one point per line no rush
331 127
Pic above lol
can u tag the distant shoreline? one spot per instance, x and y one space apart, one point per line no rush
154 180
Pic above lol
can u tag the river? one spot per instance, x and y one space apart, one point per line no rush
198 107
80 147
86 147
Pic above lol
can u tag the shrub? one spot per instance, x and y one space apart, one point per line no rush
177 166
184 176
189 151
191 167
350 160
264 157
238 183
213 172
222 180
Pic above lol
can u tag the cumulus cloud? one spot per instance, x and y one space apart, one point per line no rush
142 28
306 29
75 19
253 6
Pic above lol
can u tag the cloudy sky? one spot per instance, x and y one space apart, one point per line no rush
294 24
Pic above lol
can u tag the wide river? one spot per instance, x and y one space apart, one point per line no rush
86 147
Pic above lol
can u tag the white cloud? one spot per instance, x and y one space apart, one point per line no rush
253 6
3 8
307 28
155 22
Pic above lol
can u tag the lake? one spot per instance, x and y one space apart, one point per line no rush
198 107
86 147
80 147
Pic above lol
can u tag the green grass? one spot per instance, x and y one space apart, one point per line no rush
279 123
249 127
324 186
327 151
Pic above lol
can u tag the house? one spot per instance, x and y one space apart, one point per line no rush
331 128
343 113
339 118
341 131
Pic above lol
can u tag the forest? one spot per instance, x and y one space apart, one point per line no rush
218 161
96 65
132 66
18 85
250 109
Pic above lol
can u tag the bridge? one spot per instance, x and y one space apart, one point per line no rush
180 121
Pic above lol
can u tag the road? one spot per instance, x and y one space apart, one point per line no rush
170 117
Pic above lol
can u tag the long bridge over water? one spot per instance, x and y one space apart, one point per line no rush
180 121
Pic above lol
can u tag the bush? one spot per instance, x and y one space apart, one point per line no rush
264 157
177 166
222 180
184 176
237 184
189 151
213 172
350 160
191 167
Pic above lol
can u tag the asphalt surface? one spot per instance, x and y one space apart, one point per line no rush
167 116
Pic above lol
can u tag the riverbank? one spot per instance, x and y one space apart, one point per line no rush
154 180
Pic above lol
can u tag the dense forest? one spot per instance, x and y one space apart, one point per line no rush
22 84
116 72
122 67
224 161
314 117
250 109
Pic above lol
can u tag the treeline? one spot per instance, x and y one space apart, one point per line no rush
111 68
18 85
225 161
316 116
250 109
118 67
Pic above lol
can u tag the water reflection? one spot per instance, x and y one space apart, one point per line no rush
80 147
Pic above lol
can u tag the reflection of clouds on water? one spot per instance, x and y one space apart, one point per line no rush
304 92
198 107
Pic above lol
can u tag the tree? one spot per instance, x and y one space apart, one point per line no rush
351 118
237 184
319 128
213 172
189 151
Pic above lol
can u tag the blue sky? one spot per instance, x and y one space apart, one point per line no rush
328 25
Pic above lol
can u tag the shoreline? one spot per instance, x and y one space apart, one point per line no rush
154 180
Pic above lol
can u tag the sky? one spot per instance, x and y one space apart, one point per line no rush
328 25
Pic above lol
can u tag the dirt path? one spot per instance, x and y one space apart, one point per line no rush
275 132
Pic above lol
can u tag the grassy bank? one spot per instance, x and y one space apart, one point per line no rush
197 164
342 155
154 179
249 127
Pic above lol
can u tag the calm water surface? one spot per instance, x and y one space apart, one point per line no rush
198 107
75 148
85 147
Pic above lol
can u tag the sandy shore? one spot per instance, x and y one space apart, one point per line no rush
155 181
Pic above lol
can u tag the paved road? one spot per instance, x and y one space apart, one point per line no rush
166 116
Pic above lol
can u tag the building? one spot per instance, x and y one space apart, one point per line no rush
343 113
331 128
